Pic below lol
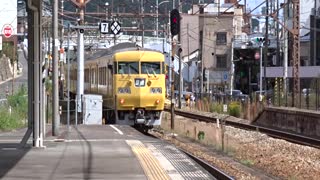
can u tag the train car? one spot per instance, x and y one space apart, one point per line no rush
131 81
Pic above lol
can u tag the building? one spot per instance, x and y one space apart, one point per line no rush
8 22
206 42
309 43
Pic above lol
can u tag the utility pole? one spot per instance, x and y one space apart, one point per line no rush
285 54
180 61
141 22
266 45
114 19
277 33
80 62
157 21
68 85
61 53
315 34
55 83
188 54
296 52
232 67
260 80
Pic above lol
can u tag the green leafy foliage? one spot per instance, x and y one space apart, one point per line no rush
216 107
234 109
18 105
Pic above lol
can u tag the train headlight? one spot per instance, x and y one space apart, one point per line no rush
124 90
156 90
157 101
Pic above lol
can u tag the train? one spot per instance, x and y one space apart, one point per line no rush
131 81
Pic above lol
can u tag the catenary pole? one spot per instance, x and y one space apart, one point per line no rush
68 85
266 47
55 83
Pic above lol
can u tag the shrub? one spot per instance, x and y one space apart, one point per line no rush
216 107
9 121
201 135
234 109
19 110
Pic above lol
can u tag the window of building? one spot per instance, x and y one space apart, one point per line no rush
221 61
221 38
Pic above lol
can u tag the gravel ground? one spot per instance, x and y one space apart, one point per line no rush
256 156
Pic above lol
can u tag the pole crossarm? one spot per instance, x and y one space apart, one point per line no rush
122 15
83 27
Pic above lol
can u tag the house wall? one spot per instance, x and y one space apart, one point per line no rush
189 30
212 25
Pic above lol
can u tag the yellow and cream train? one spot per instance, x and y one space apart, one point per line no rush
131 81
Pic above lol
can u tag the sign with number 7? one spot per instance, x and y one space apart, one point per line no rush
104 27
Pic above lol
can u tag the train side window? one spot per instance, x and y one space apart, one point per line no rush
115 66
110 67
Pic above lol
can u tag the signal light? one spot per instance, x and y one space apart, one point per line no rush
260 39
263 40
174 22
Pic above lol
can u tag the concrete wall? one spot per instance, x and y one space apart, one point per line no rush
214 135
5 68
300 121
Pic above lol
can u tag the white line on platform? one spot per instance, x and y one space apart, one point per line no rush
118 130
8 149
65 140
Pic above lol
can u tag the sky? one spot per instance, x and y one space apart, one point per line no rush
305 10
254 3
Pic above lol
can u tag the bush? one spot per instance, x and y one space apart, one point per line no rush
216 107
234 109
9 121
19 111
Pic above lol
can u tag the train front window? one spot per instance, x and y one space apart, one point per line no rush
150 68
128 68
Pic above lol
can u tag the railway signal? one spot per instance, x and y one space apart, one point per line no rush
260 39
174 22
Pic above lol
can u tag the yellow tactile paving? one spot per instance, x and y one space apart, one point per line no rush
149 163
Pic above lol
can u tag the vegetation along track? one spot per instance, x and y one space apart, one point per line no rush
296 138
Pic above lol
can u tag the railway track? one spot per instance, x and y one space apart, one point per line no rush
217 173
292 137
214 171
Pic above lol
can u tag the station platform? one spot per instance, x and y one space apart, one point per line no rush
95 152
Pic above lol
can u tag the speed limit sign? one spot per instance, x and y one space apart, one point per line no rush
104 27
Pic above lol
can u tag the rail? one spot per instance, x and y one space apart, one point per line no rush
215 172
292 137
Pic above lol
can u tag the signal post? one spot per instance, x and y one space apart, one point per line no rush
175 30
